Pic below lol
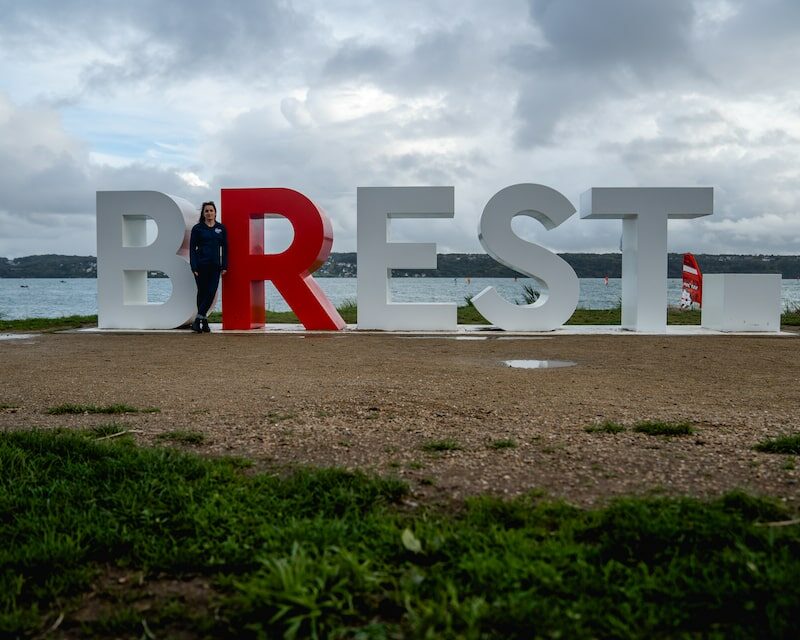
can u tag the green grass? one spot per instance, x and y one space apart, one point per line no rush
678 316
326 553
595 316
784 444
503 444
791 315
664 428
614 316
605 427
466 314
279 416
48 324
272 317
179 436
6 405
437 446
105 430
529 294
349 311
69 408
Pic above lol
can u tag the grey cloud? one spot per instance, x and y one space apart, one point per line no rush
775 138
639 34
545 100
755 50
597 52
612 51
445 81
428 169
68 234
335 157
142 176
703 118
354 59
296 113
441 57
49 182
436 168
330 162
750 180
765 20
459 85
156 39
438 59
43 168
315 163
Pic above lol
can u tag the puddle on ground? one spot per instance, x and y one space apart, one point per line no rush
16 336
539 364
473 338
442 337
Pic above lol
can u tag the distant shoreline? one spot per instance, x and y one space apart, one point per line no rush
449 265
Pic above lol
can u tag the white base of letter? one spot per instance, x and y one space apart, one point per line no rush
742 302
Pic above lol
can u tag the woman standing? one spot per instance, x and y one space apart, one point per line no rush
208 257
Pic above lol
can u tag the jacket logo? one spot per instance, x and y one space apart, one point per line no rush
218 230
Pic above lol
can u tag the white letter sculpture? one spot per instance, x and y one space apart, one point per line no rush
644 212
555 306
124 257
377 256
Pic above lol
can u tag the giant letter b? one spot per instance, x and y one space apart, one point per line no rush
124 258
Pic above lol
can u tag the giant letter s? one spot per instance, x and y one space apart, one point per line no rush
553 307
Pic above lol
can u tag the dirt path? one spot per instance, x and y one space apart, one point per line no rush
375 402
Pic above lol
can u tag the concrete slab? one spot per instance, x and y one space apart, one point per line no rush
462 330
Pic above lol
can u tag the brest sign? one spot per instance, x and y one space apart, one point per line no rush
124 256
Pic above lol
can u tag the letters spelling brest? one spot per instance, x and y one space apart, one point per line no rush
124 257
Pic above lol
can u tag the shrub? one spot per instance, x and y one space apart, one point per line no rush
664 428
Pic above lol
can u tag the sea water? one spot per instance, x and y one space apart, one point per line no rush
52 297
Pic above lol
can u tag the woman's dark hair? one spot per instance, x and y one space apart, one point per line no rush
203 206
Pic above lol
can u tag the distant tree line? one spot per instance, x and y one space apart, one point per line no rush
54 266
49 266
450 265
586 265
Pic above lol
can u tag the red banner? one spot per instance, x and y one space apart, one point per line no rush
692 291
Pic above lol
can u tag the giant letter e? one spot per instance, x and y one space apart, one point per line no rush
243 213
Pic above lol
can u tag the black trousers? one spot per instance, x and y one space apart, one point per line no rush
207 280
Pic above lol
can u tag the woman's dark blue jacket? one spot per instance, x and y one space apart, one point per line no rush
208 245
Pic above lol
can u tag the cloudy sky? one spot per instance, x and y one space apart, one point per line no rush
327 95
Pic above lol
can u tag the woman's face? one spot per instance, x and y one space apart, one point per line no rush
209 214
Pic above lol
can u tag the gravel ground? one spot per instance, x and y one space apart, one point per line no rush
382 402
